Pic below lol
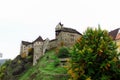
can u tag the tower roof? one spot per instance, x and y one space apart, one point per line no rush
26 43
114 33
60 28
38 39
70 30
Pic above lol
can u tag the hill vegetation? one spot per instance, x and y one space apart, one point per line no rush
11 69
48 68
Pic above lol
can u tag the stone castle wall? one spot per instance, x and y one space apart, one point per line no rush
45 45
25 49
38 51
52 44
65 38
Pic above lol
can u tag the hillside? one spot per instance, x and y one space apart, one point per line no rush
48 68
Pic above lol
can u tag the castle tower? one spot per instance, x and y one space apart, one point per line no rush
38 49
58 28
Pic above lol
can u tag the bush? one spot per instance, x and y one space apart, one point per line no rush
63 52
94 57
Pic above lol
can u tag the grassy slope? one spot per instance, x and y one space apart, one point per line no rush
46 69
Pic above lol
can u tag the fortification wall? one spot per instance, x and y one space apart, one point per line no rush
45 45
67 39
38 51
52 44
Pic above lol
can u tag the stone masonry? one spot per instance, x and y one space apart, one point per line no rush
63 36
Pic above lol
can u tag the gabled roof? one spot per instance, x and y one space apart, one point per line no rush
114 33
38 39
64 29
26 43
70 30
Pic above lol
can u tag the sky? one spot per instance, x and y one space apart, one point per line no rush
28 19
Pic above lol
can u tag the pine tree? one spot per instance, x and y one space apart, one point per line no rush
94 57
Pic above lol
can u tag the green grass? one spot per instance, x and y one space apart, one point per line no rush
46 69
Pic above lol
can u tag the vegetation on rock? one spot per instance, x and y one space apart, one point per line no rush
11 69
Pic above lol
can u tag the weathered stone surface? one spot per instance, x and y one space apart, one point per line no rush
64 37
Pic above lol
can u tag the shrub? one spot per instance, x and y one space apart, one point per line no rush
94 57
63 52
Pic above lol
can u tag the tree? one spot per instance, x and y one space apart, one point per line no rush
94 57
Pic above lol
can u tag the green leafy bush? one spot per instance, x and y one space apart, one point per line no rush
63 52
94 57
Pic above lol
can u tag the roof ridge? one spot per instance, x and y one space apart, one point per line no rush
38 39
66 29
26 42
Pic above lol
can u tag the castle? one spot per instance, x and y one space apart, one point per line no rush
63 35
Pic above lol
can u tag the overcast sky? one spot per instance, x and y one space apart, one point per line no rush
27 19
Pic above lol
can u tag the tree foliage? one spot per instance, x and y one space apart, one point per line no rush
3 68
94 57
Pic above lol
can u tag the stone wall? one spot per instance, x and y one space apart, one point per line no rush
38 51
52 44
64 37
45 45
25 49
68 39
